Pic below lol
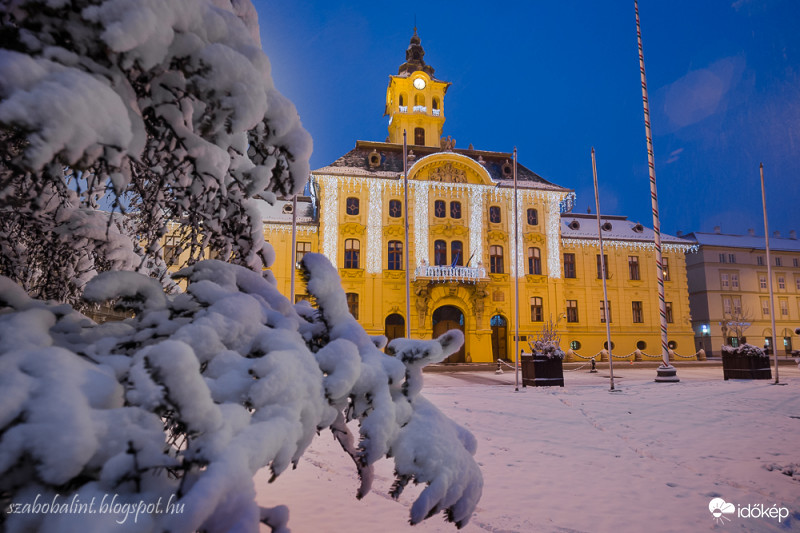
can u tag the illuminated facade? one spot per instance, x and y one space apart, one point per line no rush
462 253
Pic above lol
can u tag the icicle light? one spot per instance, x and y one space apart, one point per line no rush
631 245
374 224
420 221
553 230
476 224
329 221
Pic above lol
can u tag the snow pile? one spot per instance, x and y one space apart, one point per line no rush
745 349
163 110
188 399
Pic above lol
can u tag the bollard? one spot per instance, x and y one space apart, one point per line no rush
499 368
594 367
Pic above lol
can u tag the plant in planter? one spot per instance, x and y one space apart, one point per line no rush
745 362
543 367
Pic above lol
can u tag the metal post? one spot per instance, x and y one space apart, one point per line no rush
603 274
666 372
406 251
769 272
516 278
294 247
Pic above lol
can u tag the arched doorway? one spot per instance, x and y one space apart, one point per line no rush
499 337
445 318
395 326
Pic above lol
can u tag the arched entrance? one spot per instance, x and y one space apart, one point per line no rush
499 337
395 326
445 318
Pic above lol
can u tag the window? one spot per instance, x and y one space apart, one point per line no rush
496 259
781 283
641 345
352 206
171 247
439 209
633 266
603 312
395 208
723 281
352 250
572 310
668 309
455 209
760 260
765 306
797 282
637 311
731 258
726 305
419 136
494 214
537 312
301 249
352 304
395 255
734 280
535 262
737 305
762 281
665 268
777 261
784 305
569 266
457 253
439 253
600 263
533 217
575 345
796 262
721 258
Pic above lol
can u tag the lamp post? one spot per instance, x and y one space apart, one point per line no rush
769 272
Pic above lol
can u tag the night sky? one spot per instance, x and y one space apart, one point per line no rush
556 78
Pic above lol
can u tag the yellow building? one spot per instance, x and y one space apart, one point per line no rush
461 246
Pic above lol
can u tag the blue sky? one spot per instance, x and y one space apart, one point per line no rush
556 78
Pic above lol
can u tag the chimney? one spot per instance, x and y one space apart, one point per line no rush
717 230
792 234
751 232
776 234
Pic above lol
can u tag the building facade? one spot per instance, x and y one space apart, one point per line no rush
729 290
463 258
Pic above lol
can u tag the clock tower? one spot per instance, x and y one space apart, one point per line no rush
415 100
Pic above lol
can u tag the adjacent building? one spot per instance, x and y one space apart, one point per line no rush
729 290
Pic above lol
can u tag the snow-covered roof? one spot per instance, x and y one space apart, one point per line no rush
281 211
754 242
582 226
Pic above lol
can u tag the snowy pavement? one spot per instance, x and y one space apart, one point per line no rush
648 457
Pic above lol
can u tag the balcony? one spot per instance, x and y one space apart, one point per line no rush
436 112
403 108
445 273
420 109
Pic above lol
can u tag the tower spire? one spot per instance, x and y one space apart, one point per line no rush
415 57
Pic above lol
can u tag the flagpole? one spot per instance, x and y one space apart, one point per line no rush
405 223
666 372
516 279
603 274
769 272
294 247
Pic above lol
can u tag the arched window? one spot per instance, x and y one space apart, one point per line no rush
494 214
352 206
395 208
352 251
439 209
402 100
533 217
395 255
439 253
419 136
534 261
457 253
419 100
455 210
496 259
435 104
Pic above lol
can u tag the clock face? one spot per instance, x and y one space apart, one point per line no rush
419 83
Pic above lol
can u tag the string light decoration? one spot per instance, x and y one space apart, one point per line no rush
632 245
420 189
476 223
374 223
279 228
329 223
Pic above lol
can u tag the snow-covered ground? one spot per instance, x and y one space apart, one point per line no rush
649 457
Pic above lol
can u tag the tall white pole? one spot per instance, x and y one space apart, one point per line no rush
406 251
769 272
603 273
666 372
294 247
516 278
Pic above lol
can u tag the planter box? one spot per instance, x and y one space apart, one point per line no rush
541 371
745 367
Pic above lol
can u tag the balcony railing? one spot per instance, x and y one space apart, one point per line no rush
420 109
403 108
450 273
436 112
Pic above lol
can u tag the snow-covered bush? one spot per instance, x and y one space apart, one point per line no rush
745 349
547 341
163 110
189 398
